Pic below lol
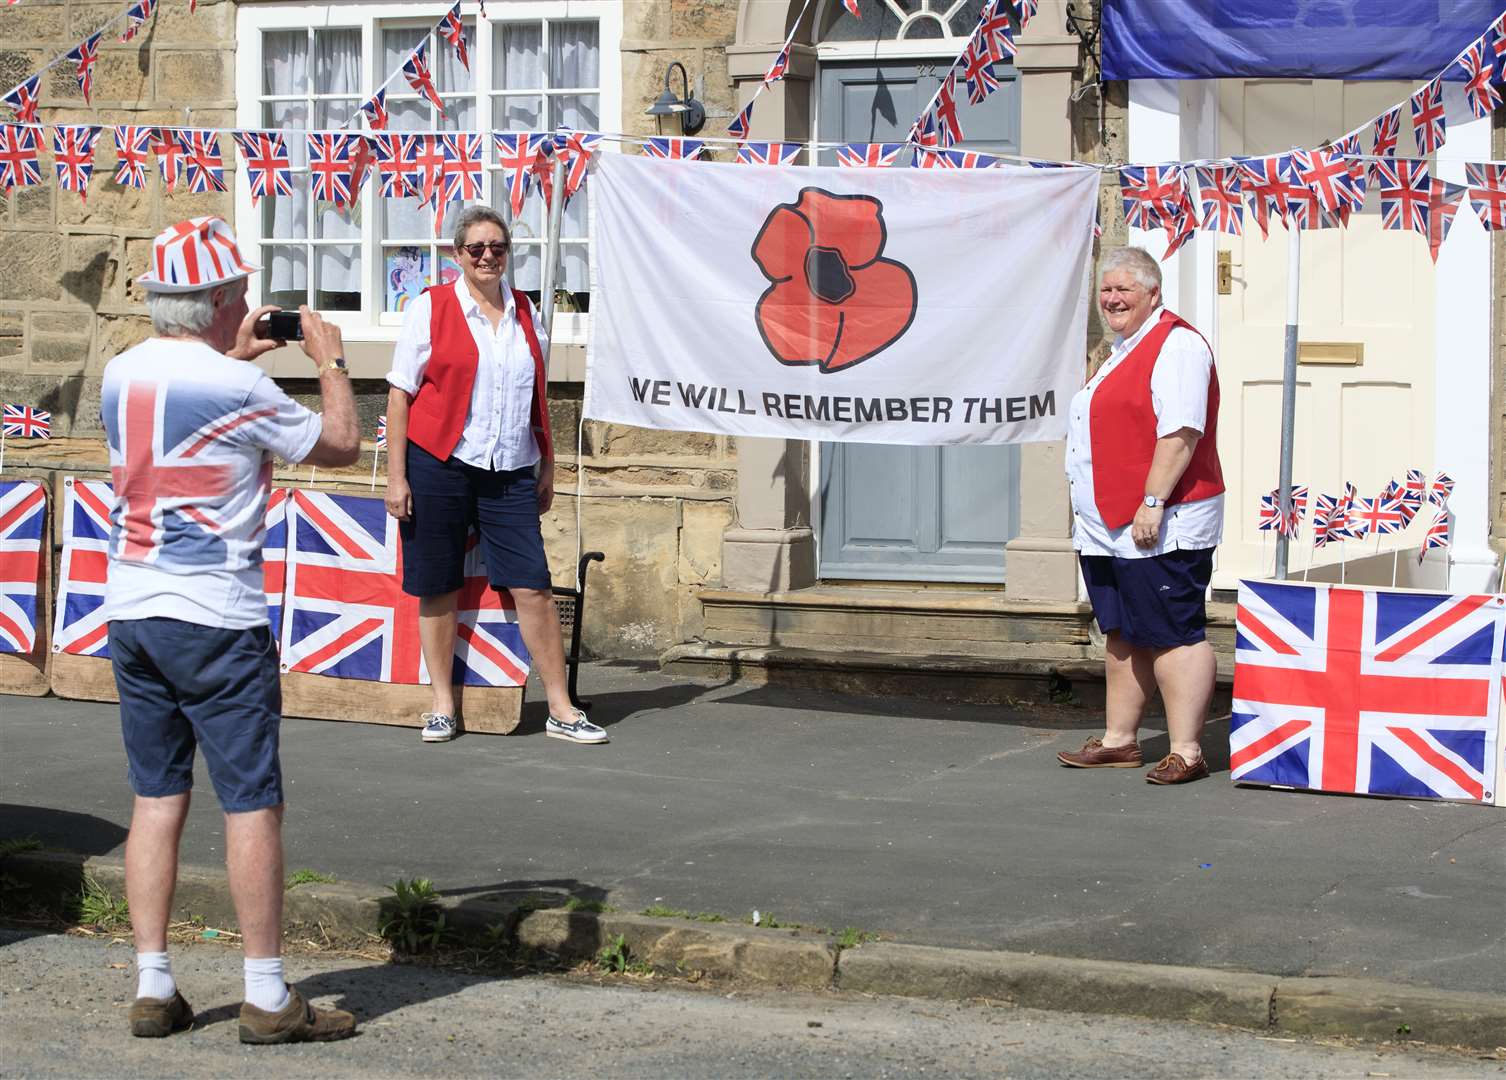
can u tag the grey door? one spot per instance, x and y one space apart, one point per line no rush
914 513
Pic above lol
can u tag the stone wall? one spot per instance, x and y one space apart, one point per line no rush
66 305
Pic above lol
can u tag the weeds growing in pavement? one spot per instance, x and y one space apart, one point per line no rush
851 937
19 843
660 911
614 955
309 877
417 924
97 906
600 907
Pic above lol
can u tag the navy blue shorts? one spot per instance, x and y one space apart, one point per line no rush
449 499
184 686
1155 602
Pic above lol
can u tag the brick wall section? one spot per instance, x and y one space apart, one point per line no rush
66 304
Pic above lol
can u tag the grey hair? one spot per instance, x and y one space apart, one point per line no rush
475 215
1136 261
188 313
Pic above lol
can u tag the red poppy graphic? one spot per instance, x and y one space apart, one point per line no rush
833 301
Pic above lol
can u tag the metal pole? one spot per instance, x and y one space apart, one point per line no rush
1289 388
552 249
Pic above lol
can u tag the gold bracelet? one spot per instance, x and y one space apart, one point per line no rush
337 364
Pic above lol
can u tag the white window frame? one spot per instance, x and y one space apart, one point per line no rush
370 322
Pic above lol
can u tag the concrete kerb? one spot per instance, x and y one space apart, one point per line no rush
345 914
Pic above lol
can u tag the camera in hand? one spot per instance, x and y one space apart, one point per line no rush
285 327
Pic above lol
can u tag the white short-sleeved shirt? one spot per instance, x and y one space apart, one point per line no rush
498 432
192 434
1179 394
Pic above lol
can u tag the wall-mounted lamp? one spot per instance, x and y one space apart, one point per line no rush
692 113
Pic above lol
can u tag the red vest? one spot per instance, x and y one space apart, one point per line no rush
437 414
1122 421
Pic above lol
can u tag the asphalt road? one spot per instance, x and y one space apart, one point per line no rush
64 1001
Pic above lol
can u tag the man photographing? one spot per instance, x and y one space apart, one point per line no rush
192 430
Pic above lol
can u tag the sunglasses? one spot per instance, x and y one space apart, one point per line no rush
475 251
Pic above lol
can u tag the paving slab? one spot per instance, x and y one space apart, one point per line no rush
928 823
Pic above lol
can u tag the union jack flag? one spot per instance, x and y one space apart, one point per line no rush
1406 192
954 159
923 132
868 155
201 154
397 165
1382 515
1153 194
18 157
462 167
1416 487
1270 512
416 71
453 31
577 148
674 149
852 8
1026 10
23 509
1222 199
1325 174
79 627
332 161
738 129
768 153
274 558
429 159
994 31
345 614
1268 183
1428 123
268 168
1479 85
1443 207
1364 691
136 16
133 150
73 156
84 56
1437 538
1387 130
381 438
24 98
168 146
1292 523
516 153
1359 172
978 70
1497 37
778 68
1323 507
1487 193
948 127
1443 487
375 110
1339 523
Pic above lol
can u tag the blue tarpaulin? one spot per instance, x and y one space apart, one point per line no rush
1294 39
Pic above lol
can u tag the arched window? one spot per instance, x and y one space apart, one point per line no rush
900 20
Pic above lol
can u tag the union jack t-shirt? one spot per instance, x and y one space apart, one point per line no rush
192 434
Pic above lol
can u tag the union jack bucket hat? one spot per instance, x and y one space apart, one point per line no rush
192 255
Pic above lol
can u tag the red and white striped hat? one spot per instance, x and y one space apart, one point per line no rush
193 255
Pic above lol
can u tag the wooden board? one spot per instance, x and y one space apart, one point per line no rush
28 675
83 678
489 710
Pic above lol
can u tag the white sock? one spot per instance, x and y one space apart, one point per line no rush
265 987
154 976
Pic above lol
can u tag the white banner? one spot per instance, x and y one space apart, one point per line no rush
919 306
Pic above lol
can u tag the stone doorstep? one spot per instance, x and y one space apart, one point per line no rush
1304 1005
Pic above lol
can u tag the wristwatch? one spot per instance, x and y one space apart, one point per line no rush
1153 502
337 364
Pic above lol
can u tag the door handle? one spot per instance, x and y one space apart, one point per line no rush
1225 273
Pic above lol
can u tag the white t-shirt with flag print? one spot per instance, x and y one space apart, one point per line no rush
192 434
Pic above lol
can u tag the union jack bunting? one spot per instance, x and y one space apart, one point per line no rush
1181 225
674 149
24 98
1387 131
577 147
84 56
23 510
397 166
268 168
25 422
1221 198
1359 172
462 167
1479 80
738 129
274 558
201 158
1152 194
1497 38
1406 192
133 152
1437 537
1366 691
346 615
994 31
1325 174
79 627
1443 207
768 153
1487 193
1323 507
136 16
416 71
374 109
516 153
18 157
332 162
868 155
948 127
168 146
778 68
1026 10
73 156
852 8
381 434
955 159
429 159
977 69
1443 487
1428 123
1267 183
923 132
453 31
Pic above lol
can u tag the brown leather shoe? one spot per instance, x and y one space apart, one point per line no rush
297 1021
1173 769
1094 755
156 1018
